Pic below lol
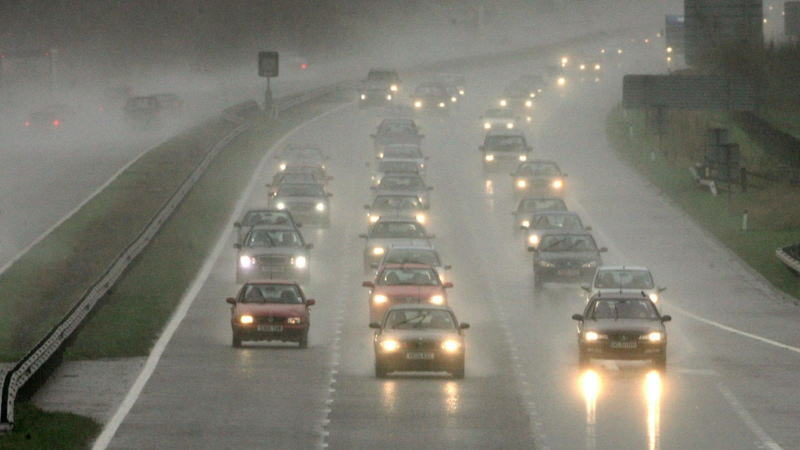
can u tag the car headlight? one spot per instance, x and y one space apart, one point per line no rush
437 300
522 184
421 218
363 96
320 206
390 345
532 95
528 119
523 158
282 167
528 104
653 297
378 251
453 99
591 336
374 218
393 88
294 320
489 157
379 299
564 61
487 126
301 262
533 240
451 345
597 67
655 336
582 67
246 319
589 265
246 261
557 184
510 125
418 104
503 102
389 97
280 205
546 264
526 223
441 104
460 92
562 81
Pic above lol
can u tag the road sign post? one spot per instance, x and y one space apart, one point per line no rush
268 68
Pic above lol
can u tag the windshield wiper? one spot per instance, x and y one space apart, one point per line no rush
421 316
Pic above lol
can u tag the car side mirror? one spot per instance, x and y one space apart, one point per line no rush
578 317
362 236
666 318
368 284
603 249
237 224
587 228
447 284
662 289
586 288
309 246
237 246
375 325
311 302
230 300
463 325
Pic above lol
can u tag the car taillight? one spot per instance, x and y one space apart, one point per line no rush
303 66
56 123
27 123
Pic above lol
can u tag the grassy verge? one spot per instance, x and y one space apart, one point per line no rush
46 282
774 211
130 319
36 429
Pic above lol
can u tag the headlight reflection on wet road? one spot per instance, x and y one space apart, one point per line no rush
452 397
590 388
389 396
652 393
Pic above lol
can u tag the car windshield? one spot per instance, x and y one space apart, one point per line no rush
401 183
539 169
505 143
556 222
412 256
623 279
420 319
300 154
499 114
542 204
273 238
271 293
396 128
396 202
430 91
567 243
402 152
380 75
408 276
294 178
398 166
266 218
614 308
397 230
301 190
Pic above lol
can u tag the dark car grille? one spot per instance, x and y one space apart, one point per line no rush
301 206
396 300
270 320
568 264
624 336
421 344
273 260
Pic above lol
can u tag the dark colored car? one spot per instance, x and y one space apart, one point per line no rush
255 217
431 97
142 110
419 338
566 256
270 311
528 206
622 326
504 146
538 177
306 201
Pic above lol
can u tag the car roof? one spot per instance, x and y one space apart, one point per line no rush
416 249
272 283
555 213
622 268
301 184
616 295
502 132
564 232
537 161
421 306
395 194
274 227
407 266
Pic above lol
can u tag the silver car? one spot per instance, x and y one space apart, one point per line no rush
404 183
272 252
306 201
386 234
396 206
624 280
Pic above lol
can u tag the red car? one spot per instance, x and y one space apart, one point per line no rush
270 311
402 284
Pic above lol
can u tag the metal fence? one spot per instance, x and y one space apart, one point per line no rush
24 369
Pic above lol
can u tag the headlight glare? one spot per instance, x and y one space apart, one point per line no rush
510 125
557 184
294 320
280 205
246 261
591 336
390 345
437 300
523 158
378 251
282 167
533 240
374 218
380 299
451 345
301 262
246 319
393 88
653 297
503 102
418 104
363 96
528 104
420 218
489 157
522 184
655 336
526 223
320 207
487 126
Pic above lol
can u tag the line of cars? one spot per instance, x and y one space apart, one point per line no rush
273 257
415 329
621 319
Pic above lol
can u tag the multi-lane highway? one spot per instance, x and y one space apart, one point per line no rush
731 380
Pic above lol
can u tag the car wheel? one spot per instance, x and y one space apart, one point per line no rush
380 371
583 360
236 341
303 341
660 364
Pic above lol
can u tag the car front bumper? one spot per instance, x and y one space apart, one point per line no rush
287 333
643 350
401 361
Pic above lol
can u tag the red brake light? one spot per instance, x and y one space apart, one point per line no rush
56 123
27 123
304 66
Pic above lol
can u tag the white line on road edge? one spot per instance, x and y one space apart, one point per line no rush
734 330
188 298
755 428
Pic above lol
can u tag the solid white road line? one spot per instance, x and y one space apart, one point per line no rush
188 298
755 428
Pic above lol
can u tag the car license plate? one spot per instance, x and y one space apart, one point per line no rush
623 344
569 272
270 328
419 355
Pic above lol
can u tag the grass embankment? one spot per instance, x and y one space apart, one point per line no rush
45 283
131 318
774 210
40 430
